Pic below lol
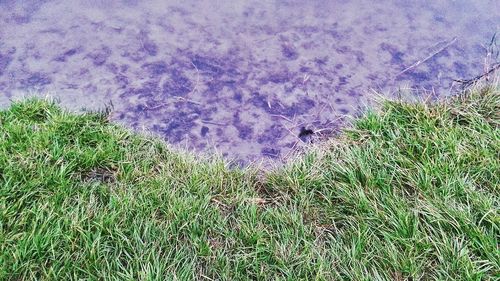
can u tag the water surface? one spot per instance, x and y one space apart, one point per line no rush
244 77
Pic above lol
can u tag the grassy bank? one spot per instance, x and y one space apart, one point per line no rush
410 192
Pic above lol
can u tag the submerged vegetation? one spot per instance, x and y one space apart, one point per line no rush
410 192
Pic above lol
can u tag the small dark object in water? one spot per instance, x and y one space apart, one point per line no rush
305 134
204 131
270 152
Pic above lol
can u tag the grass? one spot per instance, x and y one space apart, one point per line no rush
409 192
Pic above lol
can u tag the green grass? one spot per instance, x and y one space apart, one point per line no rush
410 192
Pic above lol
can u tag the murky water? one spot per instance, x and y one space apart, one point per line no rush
242 76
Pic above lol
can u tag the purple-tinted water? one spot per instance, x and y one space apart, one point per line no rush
241 76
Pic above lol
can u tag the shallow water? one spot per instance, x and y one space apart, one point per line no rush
241 76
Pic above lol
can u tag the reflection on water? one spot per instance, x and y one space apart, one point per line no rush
247 77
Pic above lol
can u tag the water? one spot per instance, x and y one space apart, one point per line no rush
245 77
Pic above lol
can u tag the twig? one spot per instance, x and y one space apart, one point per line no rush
291 133
282 116
427 58
492 53
292 149
197 78
157 106
468 82
213 123
187 100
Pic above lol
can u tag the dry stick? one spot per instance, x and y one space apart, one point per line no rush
282 116
427 58
495 66
323 107
213 123
197 78
291 150
294 146
219 202
298 140
471 81
157 106
291 133
187 100
325 128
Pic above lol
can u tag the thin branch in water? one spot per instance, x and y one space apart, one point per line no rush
197 78
467 82
213 123
427 58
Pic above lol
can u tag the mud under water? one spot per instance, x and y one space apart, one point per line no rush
253 79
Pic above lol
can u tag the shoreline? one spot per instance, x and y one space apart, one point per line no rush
410 191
